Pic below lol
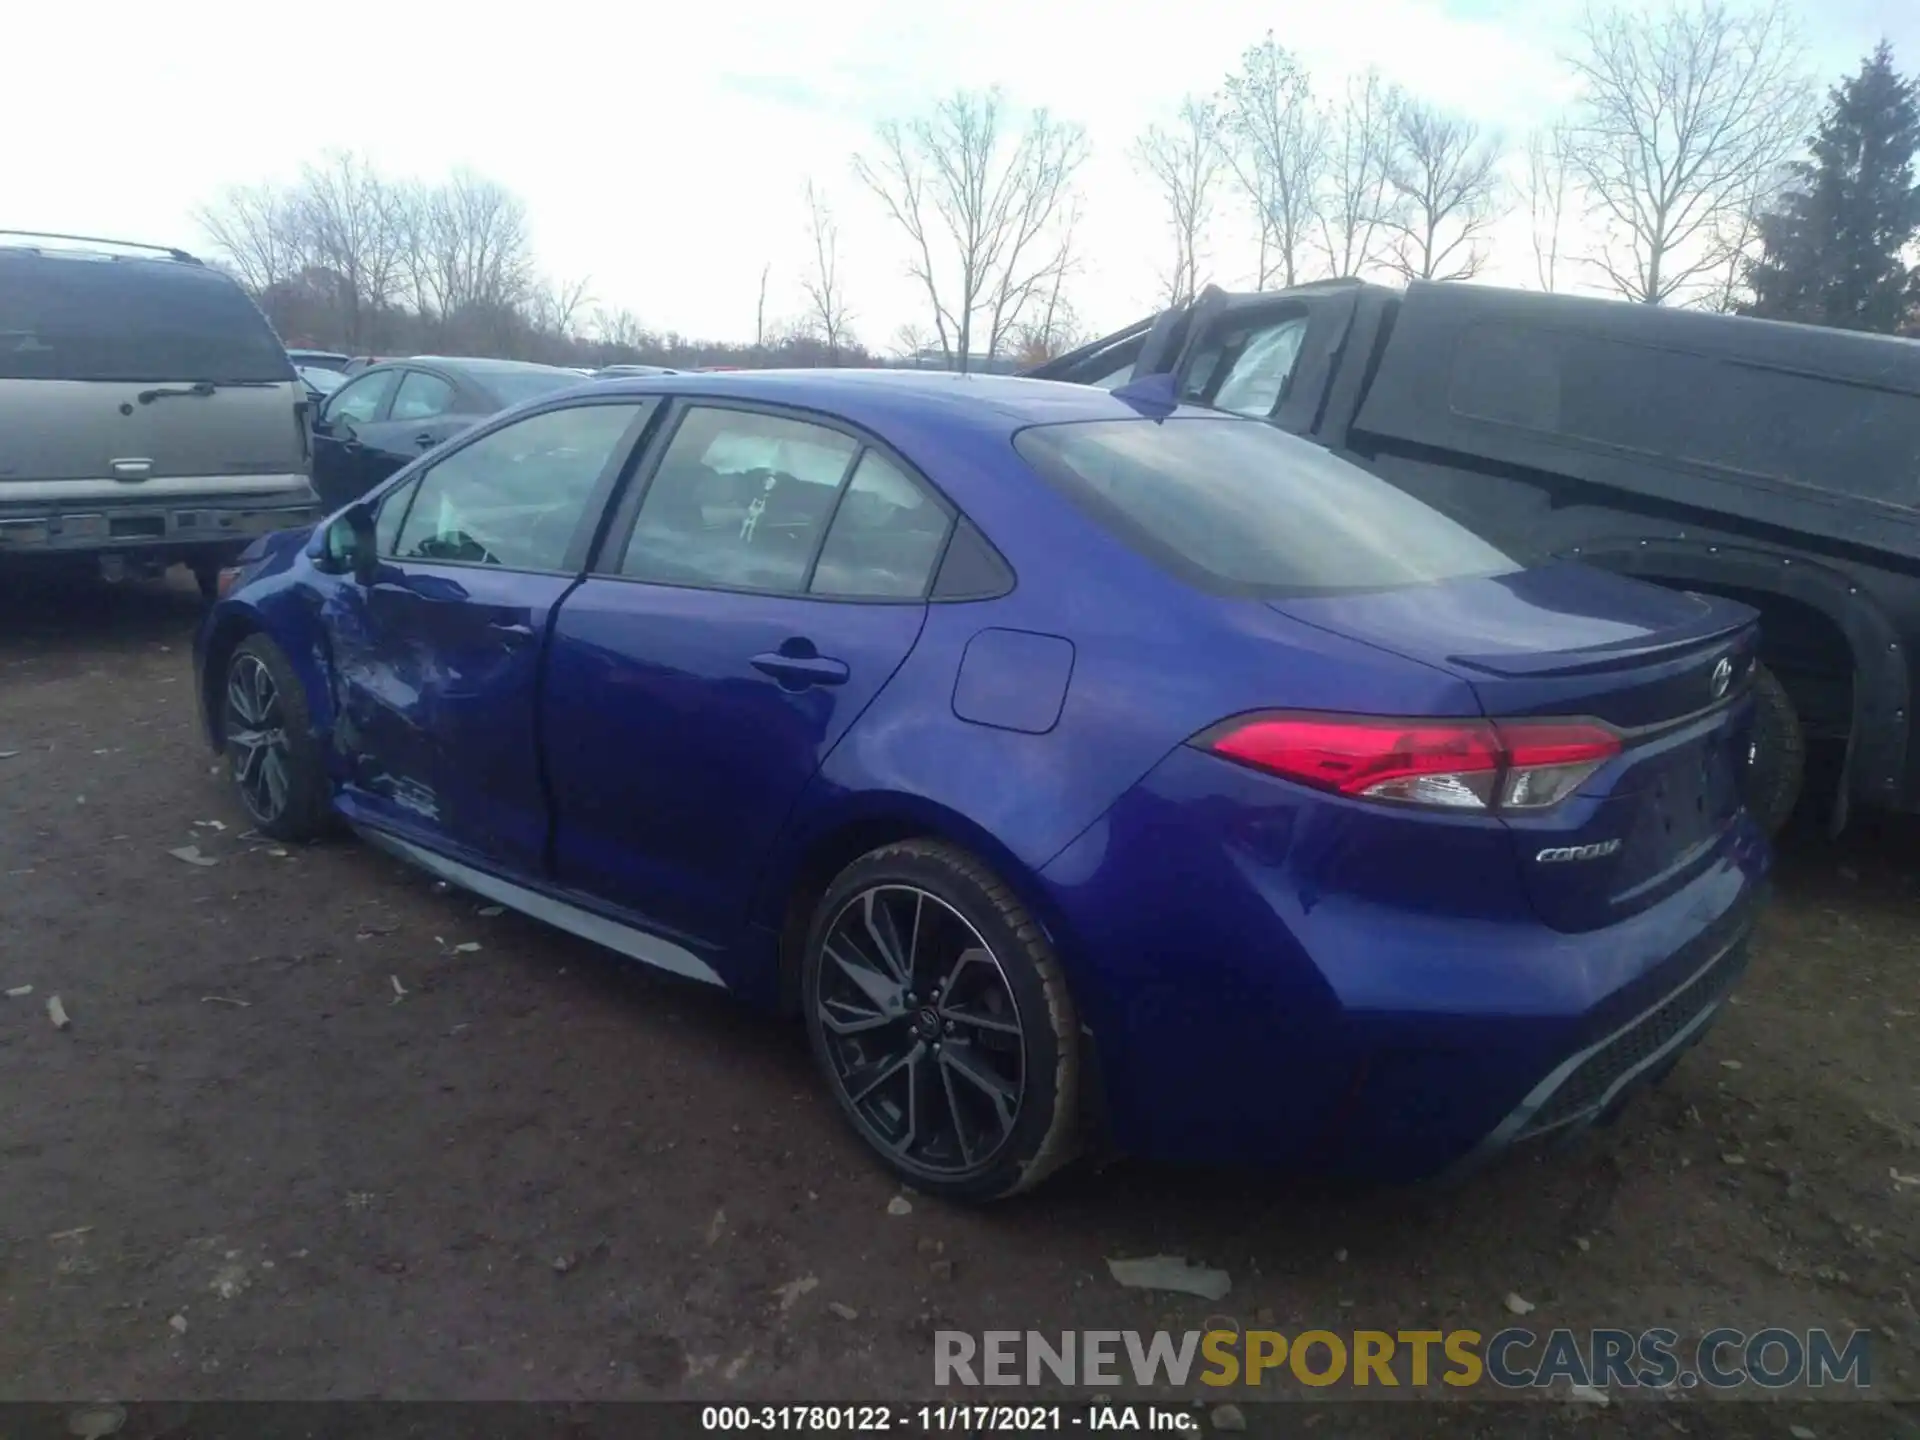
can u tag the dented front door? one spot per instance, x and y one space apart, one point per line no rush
438 668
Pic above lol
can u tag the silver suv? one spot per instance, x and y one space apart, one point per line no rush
148 413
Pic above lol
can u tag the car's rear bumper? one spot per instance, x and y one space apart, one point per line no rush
164 515
1257 995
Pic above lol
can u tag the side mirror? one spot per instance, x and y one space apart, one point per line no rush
348 546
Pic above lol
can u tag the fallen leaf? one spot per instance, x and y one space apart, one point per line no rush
1517 1305
1227 1418
791 1292
845 1312
225 1000
400 992
20 992
57 1013
211 824
1171 1272
191 854
466 947
489 911
899 1205
1587 1395
716 1225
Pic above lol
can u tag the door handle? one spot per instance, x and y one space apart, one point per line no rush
426 439
801 672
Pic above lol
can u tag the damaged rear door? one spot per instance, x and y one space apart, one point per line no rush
438 654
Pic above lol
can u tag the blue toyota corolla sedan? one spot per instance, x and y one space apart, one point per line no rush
1085 770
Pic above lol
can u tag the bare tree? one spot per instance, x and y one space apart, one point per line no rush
826 296
253 228
1279 152
559 306
346 223
1680 113
980 206
1548 192
1186 161
479 254
620 329
910 341
1446 176
1359 202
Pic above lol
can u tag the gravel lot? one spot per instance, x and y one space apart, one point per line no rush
254 1168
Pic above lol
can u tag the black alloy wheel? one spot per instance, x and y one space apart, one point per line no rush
947 1036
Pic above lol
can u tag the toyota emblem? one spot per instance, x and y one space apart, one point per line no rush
1722 677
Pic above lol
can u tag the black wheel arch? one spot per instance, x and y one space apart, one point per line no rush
1879 725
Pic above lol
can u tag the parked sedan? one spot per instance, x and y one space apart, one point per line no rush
1083 768
390 413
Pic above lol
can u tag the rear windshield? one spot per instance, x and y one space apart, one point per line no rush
94 319
1241 506
513 386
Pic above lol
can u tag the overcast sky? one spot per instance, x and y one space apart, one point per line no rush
662 147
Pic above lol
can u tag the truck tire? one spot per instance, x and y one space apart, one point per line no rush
1777 762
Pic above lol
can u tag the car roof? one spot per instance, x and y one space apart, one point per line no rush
478 364
999 404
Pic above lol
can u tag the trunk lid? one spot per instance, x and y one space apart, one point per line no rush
101 430
1669 671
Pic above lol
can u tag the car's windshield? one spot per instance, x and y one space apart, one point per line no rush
81 318
1239 505
513 386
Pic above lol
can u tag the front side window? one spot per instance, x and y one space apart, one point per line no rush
360 400
885 539
421 397
1243 506
515 498
739 502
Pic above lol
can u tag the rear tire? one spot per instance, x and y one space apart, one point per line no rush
272 756
941 1020
1777 763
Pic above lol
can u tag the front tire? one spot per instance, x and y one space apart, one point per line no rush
942 1022
1777 762
276 765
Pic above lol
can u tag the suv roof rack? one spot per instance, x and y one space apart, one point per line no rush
168 250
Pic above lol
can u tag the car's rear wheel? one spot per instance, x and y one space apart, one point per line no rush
941 1019
275 764
1777 757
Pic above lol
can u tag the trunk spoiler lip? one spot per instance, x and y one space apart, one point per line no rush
1715 631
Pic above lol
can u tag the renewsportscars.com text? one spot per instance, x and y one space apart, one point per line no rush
1512 1359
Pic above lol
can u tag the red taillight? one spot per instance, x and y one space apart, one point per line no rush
1452 764
229 577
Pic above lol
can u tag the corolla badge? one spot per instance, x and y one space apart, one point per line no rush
1560 853
1722 677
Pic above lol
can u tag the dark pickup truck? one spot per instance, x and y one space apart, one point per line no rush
1775 464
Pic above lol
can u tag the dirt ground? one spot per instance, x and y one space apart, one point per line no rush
304 1140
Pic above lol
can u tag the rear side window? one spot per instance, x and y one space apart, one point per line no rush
77 318
1240 506
885 538
739 502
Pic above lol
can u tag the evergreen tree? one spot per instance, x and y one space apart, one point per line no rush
1833 250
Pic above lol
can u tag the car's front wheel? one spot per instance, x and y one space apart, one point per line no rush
276 766
942 1021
